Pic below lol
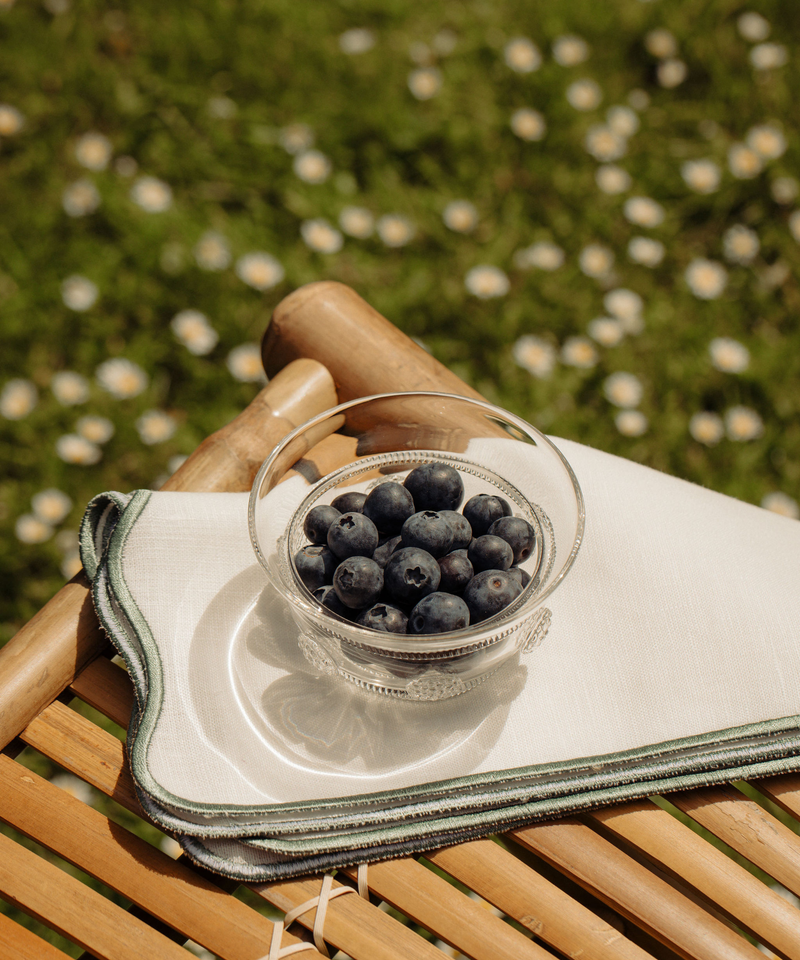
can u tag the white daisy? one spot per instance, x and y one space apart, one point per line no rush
707 428
151 194
784 190
528 124
535 355
794 225
584 94
626 306
595 260
394 229
522 55
487 282
80 198
767 140
194 331
320 236
356 40
444 41
631 423
607 331
769 56
126 166
706 278
782 504
212 251
425 82
639 99
460 216
569 50
17 398
69 388
244 362
357 222
11 120
702 176
312 166
72 448
93 151
96 429
646 251
612 179
78 293
740 244
728 355
122 378
259 270
603 144
296 137
74 786
753 27
67 540
622 120
643 212
420 53
71 565
30 529
579 352
743 424
155 426
222 108
176 462
671 73
51 505
542 255
661 43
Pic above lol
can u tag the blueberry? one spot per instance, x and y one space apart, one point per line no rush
351 502
358 582
489 592
462 531
385 617
428 530
329 599
351 535
315 565
435 486
317 521
483 509
520 575
518 533
438 613
457 571
385 550
388 506
411 574
490 553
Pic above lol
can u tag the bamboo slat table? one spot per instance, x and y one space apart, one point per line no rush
622 883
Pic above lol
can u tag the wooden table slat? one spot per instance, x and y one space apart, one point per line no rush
19 943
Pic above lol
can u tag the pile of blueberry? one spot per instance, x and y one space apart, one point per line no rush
402 559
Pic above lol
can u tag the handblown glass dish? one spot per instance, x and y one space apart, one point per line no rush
357 445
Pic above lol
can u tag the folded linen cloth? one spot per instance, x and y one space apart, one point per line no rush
672 661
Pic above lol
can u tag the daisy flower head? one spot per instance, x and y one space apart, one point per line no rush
707 428
784 190
244 363
193 330
460 216
543 255
259 270
528 124
17 398
356 40
767 140
312 166
626 306
296 137
584 94
607 331
93 151
11 120
535 355
155 426
72 448
151 194
487 282
122 378
522 55
71 564
425 83
794 225
639 99
604 144
69 388
769 56
743 162
357 222
579 352
570 50
743 424
212 251
320 236
671 73
222 108
706 279
740 244
631 423
646 251
126 166
596 261
661 43
612 179
420 53
78 293
394 229
80 198
444 41
51 505
98 430
622 120
753 27
31 529
702 176
728 355
643 212
781 503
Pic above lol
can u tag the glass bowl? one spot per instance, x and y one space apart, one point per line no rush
357 445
